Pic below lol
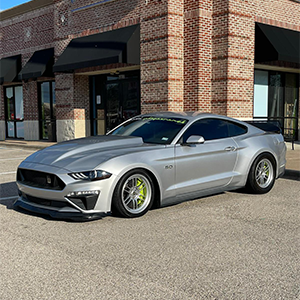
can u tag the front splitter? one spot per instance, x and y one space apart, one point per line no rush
75 216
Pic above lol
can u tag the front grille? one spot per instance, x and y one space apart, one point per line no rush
40 179
45 202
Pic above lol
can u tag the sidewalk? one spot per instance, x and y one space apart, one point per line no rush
293 159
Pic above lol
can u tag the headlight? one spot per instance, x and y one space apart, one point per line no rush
90 175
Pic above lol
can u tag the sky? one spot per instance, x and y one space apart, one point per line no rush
5 4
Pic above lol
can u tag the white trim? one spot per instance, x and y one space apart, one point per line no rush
114 71
276 68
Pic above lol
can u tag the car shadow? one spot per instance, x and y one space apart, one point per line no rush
49 218
291 175
8 194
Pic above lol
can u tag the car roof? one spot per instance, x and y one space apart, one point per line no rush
185 115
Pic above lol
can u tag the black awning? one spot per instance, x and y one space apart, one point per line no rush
274 43
40 64
116 46
9 68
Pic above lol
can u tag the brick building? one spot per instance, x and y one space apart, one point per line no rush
74 68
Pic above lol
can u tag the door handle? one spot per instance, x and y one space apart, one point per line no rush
231 148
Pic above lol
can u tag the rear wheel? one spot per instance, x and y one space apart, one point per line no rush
133 195
262 174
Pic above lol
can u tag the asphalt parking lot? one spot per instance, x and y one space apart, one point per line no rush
227 246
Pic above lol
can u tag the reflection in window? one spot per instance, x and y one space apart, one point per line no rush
53 100
260 93
10 104
19 103
14 114
48 110
11 129
290 105
20 129
276 95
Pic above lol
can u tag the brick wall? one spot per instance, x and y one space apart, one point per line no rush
281 13
30 96
64 92
27 33
175 55
154 56
81 98
233 58
197 55
72 97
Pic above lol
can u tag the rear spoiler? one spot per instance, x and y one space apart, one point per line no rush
268 126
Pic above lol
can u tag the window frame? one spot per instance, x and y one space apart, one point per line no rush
180 140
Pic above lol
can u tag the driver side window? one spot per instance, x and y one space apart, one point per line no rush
210 129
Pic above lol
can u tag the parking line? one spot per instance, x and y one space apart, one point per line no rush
8 198
18 149
5 173
15 158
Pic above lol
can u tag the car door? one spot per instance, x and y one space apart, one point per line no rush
208 165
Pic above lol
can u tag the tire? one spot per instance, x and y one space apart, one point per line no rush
261 177
133 195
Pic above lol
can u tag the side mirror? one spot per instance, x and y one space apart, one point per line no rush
195 140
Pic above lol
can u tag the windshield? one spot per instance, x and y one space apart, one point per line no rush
154 130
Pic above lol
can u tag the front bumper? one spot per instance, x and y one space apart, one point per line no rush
40 200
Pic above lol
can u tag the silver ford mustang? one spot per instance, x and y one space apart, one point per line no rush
151 160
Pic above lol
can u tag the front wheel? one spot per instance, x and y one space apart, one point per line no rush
262 174
133 195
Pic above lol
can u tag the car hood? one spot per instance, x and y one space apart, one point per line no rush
87 153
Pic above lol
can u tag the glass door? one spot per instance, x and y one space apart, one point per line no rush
114 99
131 99
113 105
283 102
122 101
290 106
14 112
48 111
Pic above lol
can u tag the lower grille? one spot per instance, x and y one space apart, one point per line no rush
46 202
40 179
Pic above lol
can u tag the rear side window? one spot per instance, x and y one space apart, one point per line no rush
212 129
236 129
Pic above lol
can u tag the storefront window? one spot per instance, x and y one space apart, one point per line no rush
14 112
290 104
261 88
276 98
48 111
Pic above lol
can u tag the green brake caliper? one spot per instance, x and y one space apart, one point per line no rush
143 191
266 167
